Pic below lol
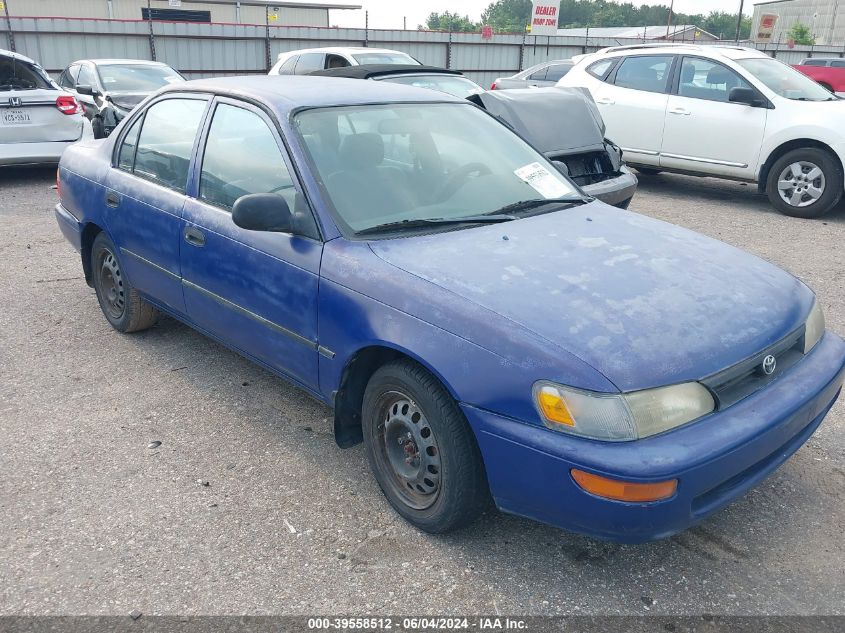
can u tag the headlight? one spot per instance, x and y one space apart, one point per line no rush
814 328
621 417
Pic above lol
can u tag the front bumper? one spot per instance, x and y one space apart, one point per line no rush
615 191
715 460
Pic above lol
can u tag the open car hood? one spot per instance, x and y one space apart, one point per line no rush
554 120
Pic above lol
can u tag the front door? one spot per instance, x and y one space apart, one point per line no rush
256 291
632 102
146 192
704 131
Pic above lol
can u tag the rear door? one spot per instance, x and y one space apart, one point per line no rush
632 100
255 290
146 192
28 109
704 131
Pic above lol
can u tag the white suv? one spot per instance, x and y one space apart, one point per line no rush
307 60
721 111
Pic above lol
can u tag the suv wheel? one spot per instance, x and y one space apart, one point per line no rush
805 183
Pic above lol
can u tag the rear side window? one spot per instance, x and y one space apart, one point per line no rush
167 140
19 75
309 62
68 77
287 67
126 156
838 63
539 75
242 157
599 69
645 72
557 71
815 62
86 77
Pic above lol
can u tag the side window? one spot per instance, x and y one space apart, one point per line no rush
336 61
599 69
309 62
126 156
705 79
86 76
644 72
815 62
287 67
539 75
242 157
167 140
557 71
838 63
68 78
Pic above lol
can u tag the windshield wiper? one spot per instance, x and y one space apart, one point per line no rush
527 205
428 222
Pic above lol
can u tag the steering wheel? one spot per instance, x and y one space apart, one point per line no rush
459 177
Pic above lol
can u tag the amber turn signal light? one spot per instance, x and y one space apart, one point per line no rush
624 490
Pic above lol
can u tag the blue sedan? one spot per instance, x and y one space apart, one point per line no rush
487 330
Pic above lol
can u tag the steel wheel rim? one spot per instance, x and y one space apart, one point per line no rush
406 450
801 184
110 282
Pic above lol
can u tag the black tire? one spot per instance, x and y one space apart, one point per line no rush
648 171
121 304
98 127
812 196
402 398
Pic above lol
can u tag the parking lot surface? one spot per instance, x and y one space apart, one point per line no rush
247 505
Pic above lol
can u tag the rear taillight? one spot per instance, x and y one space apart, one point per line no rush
68 104
493 86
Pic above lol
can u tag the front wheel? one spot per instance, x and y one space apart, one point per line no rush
121 304
805 183
421 450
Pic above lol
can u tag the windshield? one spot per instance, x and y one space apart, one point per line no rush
383 164
16 74
450 84
136 77
785 80
384 58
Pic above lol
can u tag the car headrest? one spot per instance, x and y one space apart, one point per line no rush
362 151
718 75
687 74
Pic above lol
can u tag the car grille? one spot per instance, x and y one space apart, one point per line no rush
731 385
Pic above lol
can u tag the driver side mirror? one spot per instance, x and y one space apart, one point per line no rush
740 94
263 212
85 89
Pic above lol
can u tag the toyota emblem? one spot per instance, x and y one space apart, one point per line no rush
769 364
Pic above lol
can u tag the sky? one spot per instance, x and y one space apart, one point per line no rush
389 14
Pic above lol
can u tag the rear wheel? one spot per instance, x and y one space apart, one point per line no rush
805 183
121 304
421 450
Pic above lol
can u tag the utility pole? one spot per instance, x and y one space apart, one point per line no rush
9 26
669 19
739 20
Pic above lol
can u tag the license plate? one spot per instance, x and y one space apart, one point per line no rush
15 116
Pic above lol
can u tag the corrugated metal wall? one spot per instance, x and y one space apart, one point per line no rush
825 18
204 50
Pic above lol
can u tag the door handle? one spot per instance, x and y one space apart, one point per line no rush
682 111
605 101
112 200
194 237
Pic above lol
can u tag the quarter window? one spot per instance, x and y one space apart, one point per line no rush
557 71
242 157
704 79
599 69
287 67
309 62
167 140
126 156
86 77
540 75
644 72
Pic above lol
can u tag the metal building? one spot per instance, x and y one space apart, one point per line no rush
825 18
227 11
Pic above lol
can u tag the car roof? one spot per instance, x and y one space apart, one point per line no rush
17 56
125 62
286 93
340 50
371 71
715 51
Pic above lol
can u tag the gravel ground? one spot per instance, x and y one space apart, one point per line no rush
93 521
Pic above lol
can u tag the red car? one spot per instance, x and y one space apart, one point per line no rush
827 71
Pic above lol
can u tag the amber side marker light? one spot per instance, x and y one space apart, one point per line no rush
624 490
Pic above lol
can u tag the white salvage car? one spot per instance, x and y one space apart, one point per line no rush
38 120
723 111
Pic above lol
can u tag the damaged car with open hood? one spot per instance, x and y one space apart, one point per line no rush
487 330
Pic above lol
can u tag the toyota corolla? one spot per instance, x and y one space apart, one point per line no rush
484 327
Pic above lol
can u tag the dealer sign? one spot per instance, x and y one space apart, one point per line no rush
544 16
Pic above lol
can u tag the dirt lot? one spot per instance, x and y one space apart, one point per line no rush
93 521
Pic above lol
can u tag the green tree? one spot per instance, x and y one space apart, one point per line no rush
801 33
448 21
508 16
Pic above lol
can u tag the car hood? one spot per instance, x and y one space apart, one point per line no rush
128 100
644 302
